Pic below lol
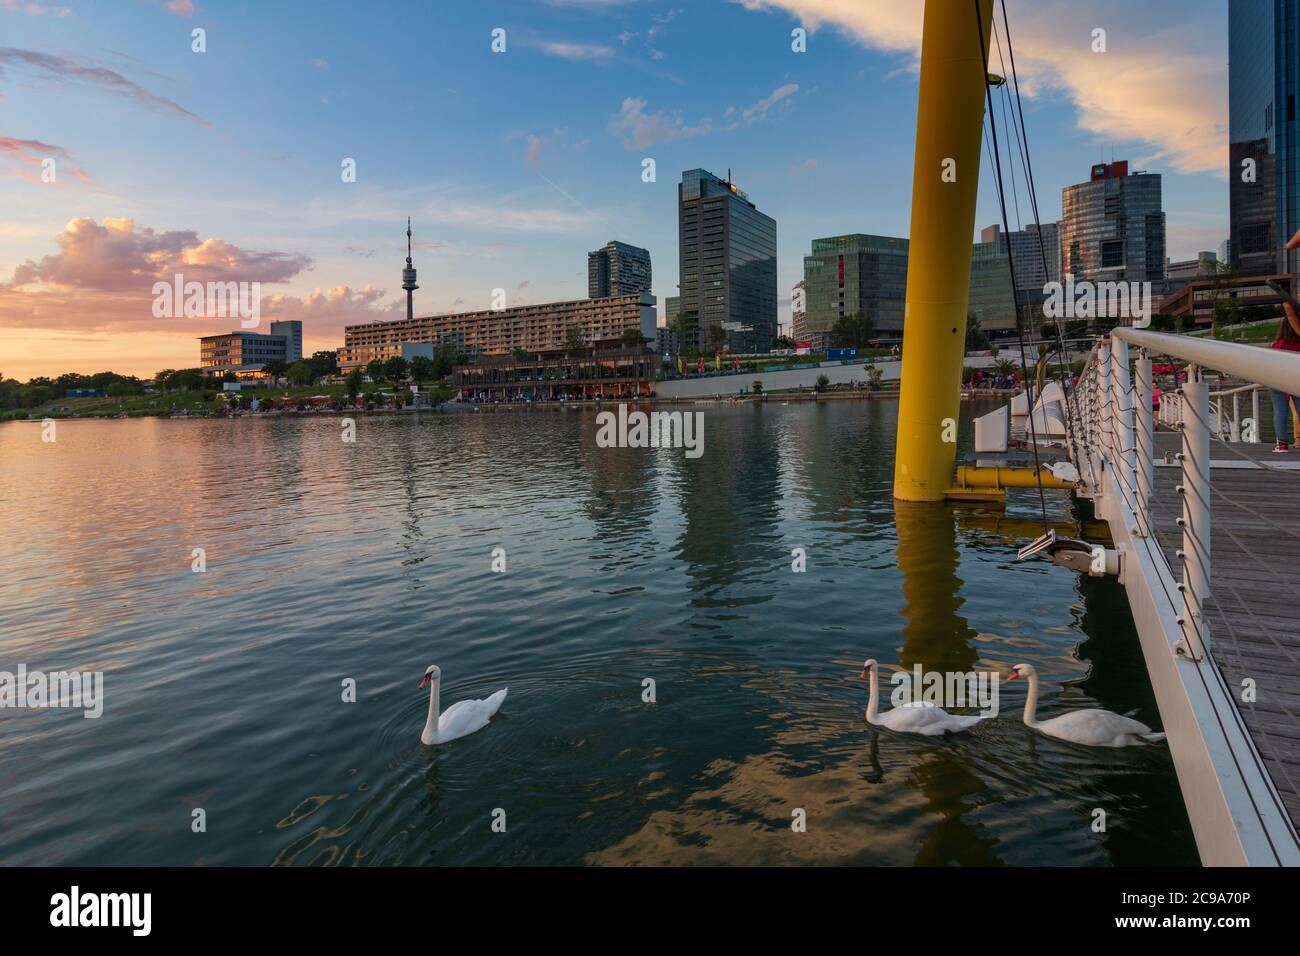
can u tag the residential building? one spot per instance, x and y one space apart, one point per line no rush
531 328
1113 227
727 264
617 269
799 312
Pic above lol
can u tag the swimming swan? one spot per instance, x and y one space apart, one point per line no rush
914 718
458 720
1094 728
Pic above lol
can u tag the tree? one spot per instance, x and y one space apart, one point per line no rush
574 346
783 342
323 363
299 373
354 384
376 370
717 336
633 339
757 387
275 368
229 376
396 368
975 337
445 359
163 378
422 368
823 382
852 331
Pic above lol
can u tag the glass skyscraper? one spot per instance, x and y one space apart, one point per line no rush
727 259
1263 172
1113 227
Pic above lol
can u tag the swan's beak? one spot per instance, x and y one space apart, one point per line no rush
424 683
863 675
1013 675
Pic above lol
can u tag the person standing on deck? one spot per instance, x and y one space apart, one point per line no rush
1288 338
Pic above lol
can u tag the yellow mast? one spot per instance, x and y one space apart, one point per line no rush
950 115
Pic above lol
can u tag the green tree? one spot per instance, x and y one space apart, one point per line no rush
396 368
823 382
275 368
376 370
852 331
323 363
633 339
354 382
299 373
975 337
574 346
422 368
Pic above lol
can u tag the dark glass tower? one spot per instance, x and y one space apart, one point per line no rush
1263 73
727 259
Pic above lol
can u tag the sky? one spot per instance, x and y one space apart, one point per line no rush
227 164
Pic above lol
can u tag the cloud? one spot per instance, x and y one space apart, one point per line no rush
32 153
646 129
1173 102
567 50
34 9
103 274
320 64
807 166
70 70
759 110
182 8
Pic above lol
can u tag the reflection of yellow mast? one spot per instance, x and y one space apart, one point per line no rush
935 635
949 117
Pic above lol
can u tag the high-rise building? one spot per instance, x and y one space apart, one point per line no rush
1113 227
845 275
1035 251
617 269
1263 150
799 312
727 264
992 297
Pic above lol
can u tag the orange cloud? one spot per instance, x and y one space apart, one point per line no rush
32 153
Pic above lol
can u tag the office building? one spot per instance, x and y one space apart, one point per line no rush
799 312
242 351
992 298
727 264
1113 227
543 327
617 269
1035 251
1263 163
845 275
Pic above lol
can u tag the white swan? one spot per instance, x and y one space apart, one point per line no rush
1095 728
913 718
461 718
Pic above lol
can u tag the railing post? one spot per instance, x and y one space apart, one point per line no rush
1145 435
1195 521
1103 409
1122 423
1254 413
1234 430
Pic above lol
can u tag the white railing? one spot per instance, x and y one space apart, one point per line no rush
1235 809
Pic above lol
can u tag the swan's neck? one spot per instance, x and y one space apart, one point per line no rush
1031 702
873 702
431 724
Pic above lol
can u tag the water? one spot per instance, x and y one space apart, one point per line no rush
370 561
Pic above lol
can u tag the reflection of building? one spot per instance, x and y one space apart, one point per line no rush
249 351
532 328
727 260
608 371
1198 297
1113 227
845 275
617 269
1263 63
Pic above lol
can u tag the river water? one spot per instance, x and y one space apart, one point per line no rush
329 562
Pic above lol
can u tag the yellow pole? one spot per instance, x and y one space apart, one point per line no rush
949 118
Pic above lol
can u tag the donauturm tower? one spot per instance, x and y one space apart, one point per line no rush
408 275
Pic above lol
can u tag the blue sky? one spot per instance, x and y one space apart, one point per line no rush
514 165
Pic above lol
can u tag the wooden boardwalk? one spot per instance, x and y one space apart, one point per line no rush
1254 608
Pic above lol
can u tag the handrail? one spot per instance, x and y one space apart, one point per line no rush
1275 368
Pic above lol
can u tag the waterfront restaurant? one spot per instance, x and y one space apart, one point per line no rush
614 371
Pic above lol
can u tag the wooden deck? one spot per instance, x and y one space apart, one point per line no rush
1254 609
